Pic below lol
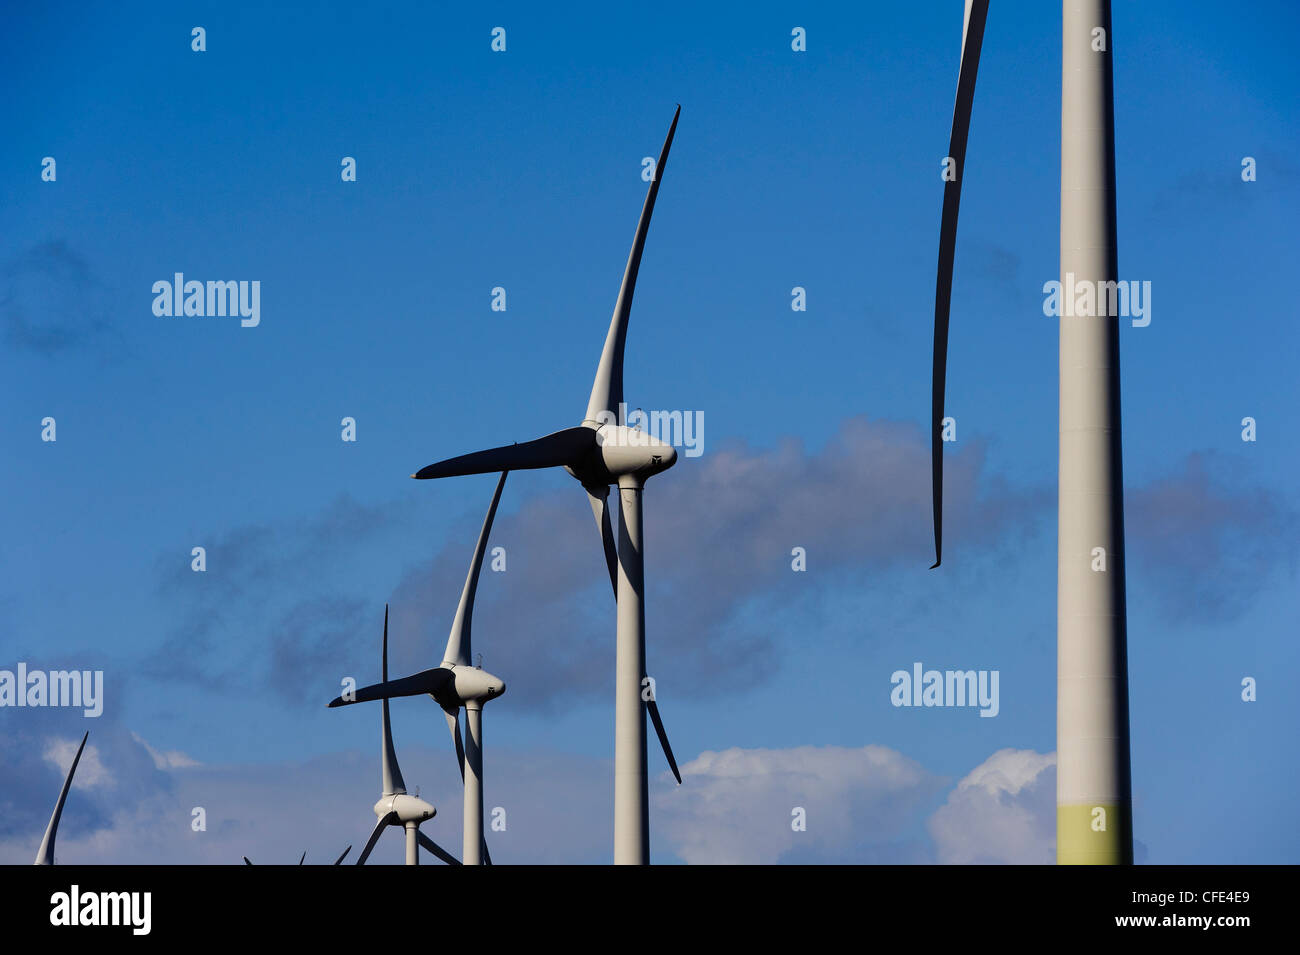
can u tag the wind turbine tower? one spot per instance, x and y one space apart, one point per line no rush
1094 822
1093 794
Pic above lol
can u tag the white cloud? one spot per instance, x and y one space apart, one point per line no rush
1004 811
737 806
172 759
91 772
867 804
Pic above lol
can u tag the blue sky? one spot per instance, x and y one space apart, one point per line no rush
522 170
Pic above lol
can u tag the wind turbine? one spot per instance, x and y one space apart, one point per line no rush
303 859
396 807
45 854
455 684
600 452
1093 790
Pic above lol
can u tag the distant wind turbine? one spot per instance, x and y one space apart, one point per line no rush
600 452
395 806
455 684
45 854
303 859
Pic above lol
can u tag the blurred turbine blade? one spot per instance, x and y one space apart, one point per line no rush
453 724
382 824
569 446
599 498
391 774
653 707
339 860
45 854
431 681
607 389
458 642
972 40
436 849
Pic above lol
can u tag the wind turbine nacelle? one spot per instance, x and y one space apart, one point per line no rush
626 451
477 685
408 808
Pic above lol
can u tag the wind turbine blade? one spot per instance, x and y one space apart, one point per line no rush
458 642
436 849
431 681
569 446
973 39
339 860
599 497
453 724
487 856
304 857
45 854
391 775
607 390
380 826
653 707
246 861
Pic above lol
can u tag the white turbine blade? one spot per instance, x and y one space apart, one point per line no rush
607 390
436 849
458 642
453 724
599 498
380 826
391 775
972 41
45 855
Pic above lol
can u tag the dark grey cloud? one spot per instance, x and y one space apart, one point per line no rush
1203 543
51 303
273 607
720 530
1000 267
1221 187
316 640
279 605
